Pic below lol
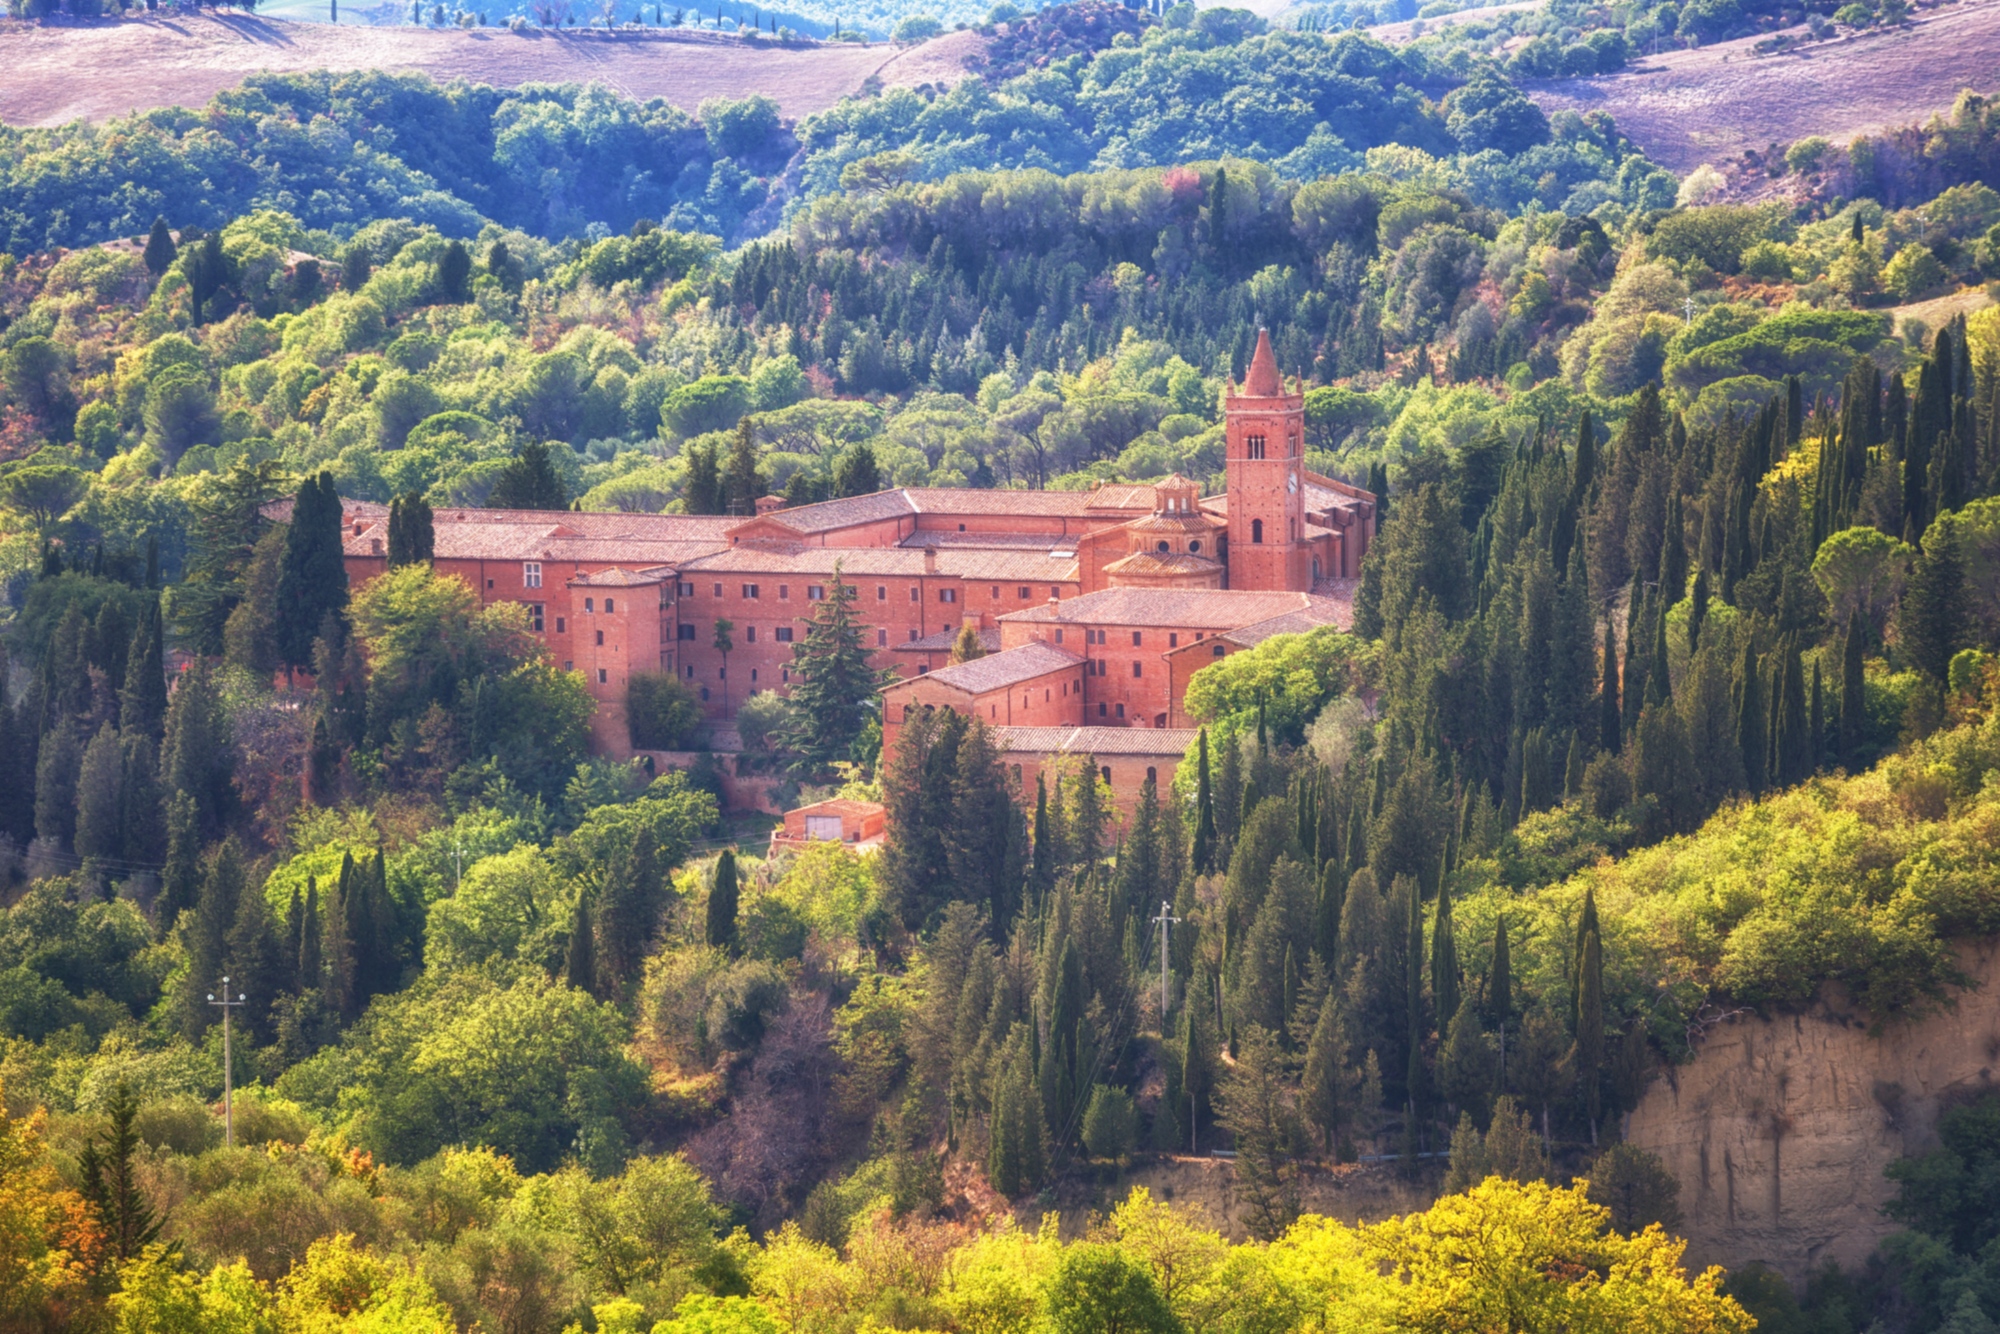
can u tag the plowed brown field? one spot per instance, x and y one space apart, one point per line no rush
53 75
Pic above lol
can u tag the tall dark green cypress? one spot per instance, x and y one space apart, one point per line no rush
1332 894
580 960
1500 981
312 582
1610 729
1413 978
1752 731
1853 694
311 967
722 900
142 699
1931 617
1590 1027
343 981
160 250
1444 959
1204 819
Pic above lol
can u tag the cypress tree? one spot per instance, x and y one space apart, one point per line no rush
342 967
1853 697
454 274
1791 747
1590 1026
1444 959
1586 923
100 797
702 492
57 769
192 759
1697 609
207 940
1932 615
143 811
742 484
1610 731
1204 820
160 249
1816 724
1332 896
1673 555
180 881
311 970
722 901
412 531
313 580
255 962
142 699
1500 981
1751 727
1047 856
1659 680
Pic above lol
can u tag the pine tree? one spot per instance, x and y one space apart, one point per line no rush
856 474
160 249
1413 1004
528 482
110 1182
1256 1107
580 960
833 689
742 484
722 899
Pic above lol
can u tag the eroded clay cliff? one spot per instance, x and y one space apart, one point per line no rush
1781 1127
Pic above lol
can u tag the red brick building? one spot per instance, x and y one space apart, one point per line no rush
1110 590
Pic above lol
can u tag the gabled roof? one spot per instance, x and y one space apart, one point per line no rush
998 671
941 641
1170 742
1194 608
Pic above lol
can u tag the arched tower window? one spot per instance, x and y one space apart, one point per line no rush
1256 530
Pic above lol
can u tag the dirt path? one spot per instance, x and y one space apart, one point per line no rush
59 74
1711 104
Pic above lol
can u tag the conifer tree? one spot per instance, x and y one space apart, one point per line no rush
110 1180
412 531
1791 747
57 769
1853 696
343 982
1816 724
192 759
180 881
722 900
966 648
1466 1067
742 484
1500 980
142 817
833 689
1256 1106
528 482
1444 959
856 473
311 968
1751 728
1047 856
207 939
1196 1047
313 580
1931 618
160 250
702 491
1015 1161
100 804
1590 1025
255 963
1326 919
1331 1083
1697 609
1205 834
142 699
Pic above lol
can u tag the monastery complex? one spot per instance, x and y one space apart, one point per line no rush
1095 607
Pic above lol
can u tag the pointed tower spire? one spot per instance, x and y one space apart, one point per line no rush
1263 380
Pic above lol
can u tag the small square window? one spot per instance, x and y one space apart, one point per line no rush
815 592
690 671
913 636
996 592
753 676
531 574
685 631
687 590
1024 593
1218 650
1100 708
1059 635
1138 669
784 633
947 595
916 593
1121 714
1173 641
489 583
704 694
568 666
718 590
750 592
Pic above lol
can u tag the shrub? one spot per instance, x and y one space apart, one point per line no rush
917 28
1913 272
660 712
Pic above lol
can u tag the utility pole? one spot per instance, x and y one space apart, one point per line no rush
1165 920
228 1071
1687 304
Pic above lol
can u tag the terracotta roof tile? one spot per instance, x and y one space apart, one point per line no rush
623 578
997 671
1150 741
1162 563
942 641
1195 609
1032 566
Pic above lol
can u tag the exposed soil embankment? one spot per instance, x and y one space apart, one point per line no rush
1780 1129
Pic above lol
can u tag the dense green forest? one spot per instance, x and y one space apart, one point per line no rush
1671 690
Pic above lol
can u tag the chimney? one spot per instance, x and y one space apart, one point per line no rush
359 524
930 560
375 546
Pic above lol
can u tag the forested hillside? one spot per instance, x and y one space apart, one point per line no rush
1671 691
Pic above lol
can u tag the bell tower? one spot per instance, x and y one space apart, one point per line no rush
1264 426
